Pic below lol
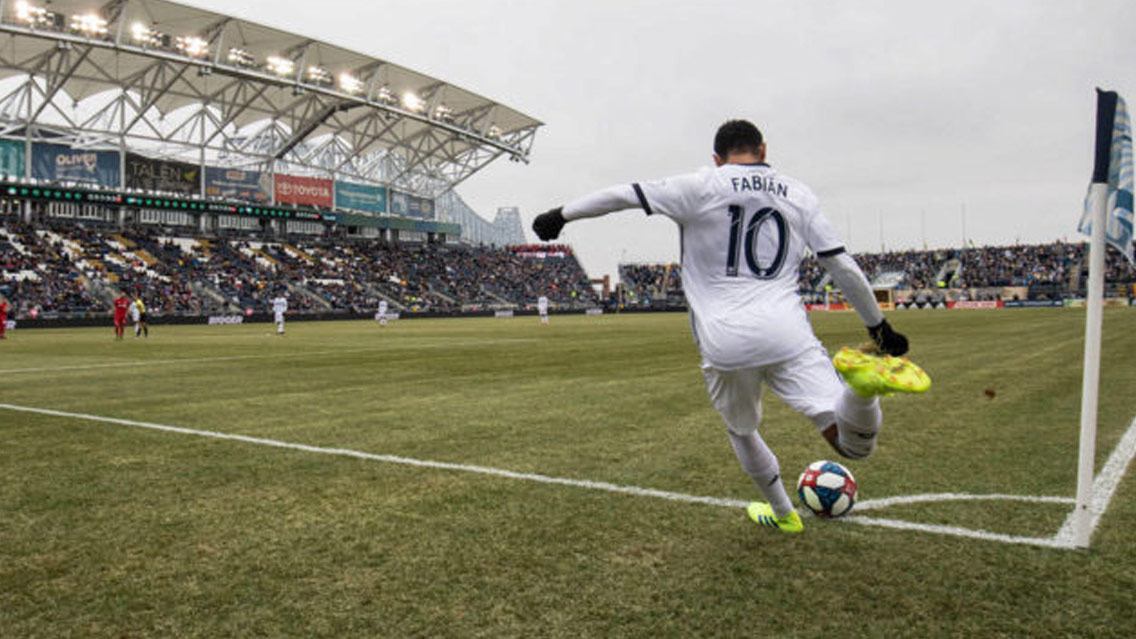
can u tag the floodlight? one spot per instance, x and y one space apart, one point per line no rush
279 66
494 132
319 75
34 16
350 84
240 57
89 24
443 113
386 96
193 46
412 102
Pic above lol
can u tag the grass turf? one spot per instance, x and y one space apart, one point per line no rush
109 530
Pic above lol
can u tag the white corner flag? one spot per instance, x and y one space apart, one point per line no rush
1107 217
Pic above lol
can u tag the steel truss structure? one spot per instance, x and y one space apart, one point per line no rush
175 82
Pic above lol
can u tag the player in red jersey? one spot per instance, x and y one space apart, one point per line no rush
121 306
3 315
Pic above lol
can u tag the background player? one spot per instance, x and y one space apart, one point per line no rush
542 308
138 313
3 316
382 314
279 307
121 307
745 229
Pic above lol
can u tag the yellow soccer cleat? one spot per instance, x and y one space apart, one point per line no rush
762 514
872 375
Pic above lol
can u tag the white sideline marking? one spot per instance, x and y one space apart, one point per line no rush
885 502
394 459
1104 486
959 532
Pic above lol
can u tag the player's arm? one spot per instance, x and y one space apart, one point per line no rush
547 225
852 282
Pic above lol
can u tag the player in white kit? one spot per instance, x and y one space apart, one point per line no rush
279 306
382 314
745 228
542 308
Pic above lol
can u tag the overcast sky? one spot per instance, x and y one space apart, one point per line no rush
916 123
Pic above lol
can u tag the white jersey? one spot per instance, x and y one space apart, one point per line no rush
744 230
382 307
279 305
542 304
135 312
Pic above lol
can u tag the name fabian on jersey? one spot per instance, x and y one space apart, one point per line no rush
759 183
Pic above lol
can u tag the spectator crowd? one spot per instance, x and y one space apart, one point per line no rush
72 269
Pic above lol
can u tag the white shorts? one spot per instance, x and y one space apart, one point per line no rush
279 317
807 382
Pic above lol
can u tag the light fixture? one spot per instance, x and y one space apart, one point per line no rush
412 102
192 46
443 113
386 96
35 16
350 84
280 66
494 132
240 57
89 24
318 75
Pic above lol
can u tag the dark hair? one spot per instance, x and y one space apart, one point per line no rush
737 135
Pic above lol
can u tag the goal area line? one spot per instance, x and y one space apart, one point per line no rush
1105 484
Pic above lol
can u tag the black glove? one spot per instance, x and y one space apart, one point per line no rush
887 340
547 225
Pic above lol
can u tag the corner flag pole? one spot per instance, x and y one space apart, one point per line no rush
1090 380
1097 210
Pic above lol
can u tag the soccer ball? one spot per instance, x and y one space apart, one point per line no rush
827 488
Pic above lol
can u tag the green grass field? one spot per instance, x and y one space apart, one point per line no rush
118 529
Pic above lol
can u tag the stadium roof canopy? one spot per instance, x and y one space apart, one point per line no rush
173 81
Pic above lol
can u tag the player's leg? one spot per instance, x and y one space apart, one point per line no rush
811 386
737 397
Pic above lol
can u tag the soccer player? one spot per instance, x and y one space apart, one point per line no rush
382 314
3 316
279 306
138 314
542 308
121 307
745 228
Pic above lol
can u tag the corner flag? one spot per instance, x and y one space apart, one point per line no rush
1112 166
1107 218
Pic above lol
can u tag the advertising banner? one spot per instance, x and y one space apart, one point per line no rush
238 184
162 175
12 158
59 163
408 205
295 189
361 197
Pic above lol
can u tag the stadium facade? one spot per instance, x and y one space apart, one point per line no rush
227 123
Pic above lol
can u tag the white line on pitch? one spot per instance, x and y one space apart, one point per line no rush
393 459
1105 484
885 502
1055 542
1049 542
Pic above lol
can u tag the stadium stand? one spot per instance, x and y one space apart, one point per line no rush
61 269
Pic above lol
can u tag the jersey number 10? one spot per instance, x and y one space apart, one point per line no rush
749 245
